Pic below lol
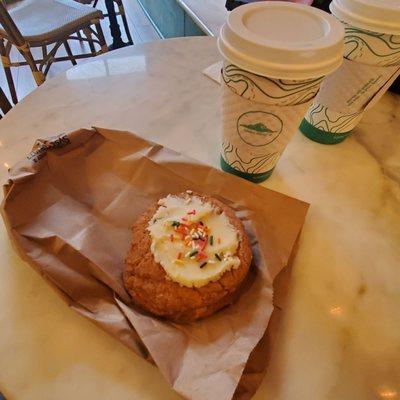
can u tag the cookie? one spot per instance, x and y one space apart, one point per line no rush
188 257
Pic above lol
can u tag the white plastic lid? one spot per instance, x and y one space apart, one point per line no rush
282 40
382 16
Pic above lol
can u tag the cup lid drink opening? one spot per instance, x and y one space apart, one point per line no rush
282 40
382 16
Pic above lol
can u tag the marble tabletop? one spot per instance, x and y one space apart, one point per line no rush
341 331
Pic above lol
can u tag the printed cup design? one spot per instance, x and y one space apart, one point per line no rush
267 90
371 48
372 63
259 117
267 128
325 119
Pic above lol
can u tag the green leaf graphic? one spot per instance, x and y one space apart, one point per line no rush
259 127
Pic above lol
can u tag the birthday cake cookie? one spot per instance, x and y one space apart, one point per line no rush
188 257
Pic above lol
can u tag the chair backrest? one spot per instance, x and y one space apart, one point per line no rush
13 33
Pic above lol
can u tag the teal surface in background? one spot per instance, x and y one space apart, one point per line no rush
169 19
191 29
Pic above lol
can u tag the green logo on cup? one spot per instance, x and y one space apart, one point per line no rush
259 128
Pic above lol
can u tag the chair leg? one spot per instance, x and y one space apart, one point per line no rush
45 64
7 70
44 51
121 10
100 36
88 35
37 74
5 105
69 52
79 34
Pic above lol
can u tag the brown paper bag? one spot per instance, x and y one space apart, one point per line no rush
69 207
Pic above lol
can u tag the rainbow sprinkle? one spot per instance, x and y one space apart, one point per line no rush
195 236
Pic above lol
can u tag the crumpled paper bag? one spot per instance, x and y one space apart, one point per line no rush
68 208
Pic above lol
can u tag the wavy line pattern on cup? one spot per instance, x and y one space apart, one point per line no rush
254 134
371 48
254 165
330 121
267 90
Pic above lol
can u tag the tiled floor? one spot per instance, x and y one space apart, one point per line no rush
140 28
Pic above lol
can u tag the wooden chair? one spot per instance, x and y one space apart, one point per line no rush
5 105
43 23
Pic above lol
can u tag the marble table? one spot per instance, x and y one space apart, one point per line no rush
341 332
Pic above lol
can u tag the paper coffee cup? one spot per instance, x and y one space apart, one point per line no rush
275 57
259 117
371 64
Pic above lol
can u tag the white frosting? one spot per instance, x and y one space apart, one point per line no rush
190 253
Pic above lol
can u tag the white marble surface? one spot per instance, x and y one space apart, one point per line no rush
341 334
210 15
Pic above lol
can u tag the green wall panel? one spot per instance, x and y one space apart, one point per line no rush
191 29
170 19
